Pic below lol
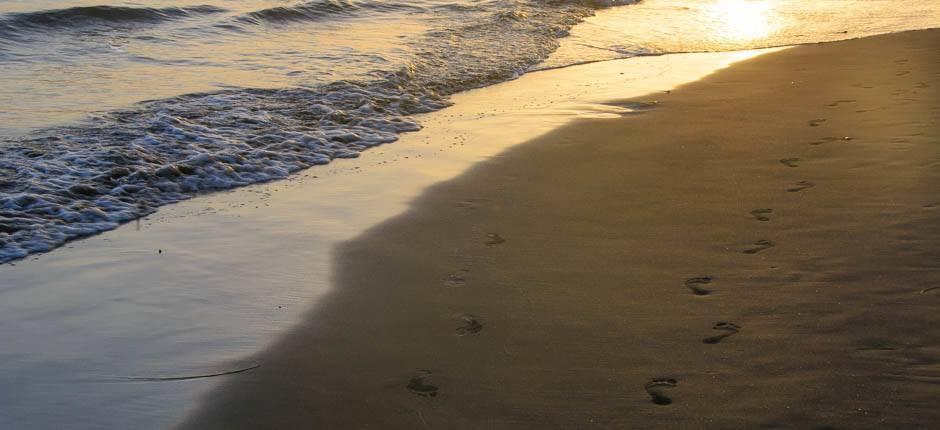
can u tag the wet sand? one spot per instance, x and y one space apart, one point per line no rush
755 250
240 268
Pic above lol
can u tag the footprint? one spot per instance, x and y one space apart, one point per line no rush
494 239
419 387
838 102
790 162
761 214
455 280
695 284
759 246
730 330
655 386
824 140
816 122
471 325
800 186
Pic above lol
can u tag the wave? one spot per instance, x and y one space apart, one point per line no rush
317 10
83 16
66 183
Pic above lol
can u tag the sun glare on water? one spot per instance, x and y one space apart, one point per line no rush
742 20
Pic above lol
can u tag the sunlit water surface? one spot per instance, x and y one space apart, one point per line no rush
114 109
655 27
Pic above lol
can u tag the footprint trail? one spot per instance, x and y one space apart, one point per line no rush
729 328
471 325
493 239
695 284
655 386
800 186
761 214
419 387
759 246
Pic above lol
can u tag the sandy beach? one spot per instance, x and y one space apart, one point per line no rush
753 250
239 269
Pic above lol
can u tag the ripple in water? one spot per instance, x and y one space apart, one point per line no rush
272 87
64 183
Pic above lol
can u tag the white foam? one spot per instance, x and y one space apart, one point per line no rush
67 183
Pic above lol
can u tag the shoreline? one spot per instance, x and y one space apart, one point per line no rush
240 268
759 249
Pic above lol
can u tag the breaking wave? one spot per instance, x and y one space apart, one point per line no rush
65 183
317 10
83 16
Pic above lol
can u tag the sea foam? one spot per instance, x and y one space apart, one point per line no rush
65 183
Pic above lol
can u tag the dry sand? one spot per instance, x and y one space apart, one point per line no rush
549 286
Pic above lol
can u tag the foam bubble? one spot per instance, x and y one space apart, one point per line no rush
66 183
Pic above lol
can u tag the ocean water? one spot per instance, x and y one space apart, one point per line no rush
114 108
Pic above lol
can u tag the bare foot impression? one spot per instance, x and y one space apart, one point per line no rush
655 386
790 162
838 102
800 186
823 140
695 284
494 239
729 328
761 214
759 246
456 279
418 386
828 139
470 325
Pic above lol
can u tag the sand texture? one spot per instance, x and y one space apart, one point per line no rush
759 249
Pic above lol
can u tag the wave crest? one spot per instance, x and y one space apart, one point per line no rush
62 184
317 10
109 15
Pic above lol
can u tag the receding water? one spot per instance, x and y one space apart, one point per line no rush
116 108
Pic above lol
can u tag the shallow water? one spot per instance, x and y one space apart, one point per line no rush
671 26
247 92
300 93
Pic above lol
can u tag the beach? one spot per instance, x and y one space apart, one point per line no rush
462 214
111 330
756 249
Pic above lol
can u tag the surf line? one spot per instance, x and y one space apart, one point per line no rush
188 377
